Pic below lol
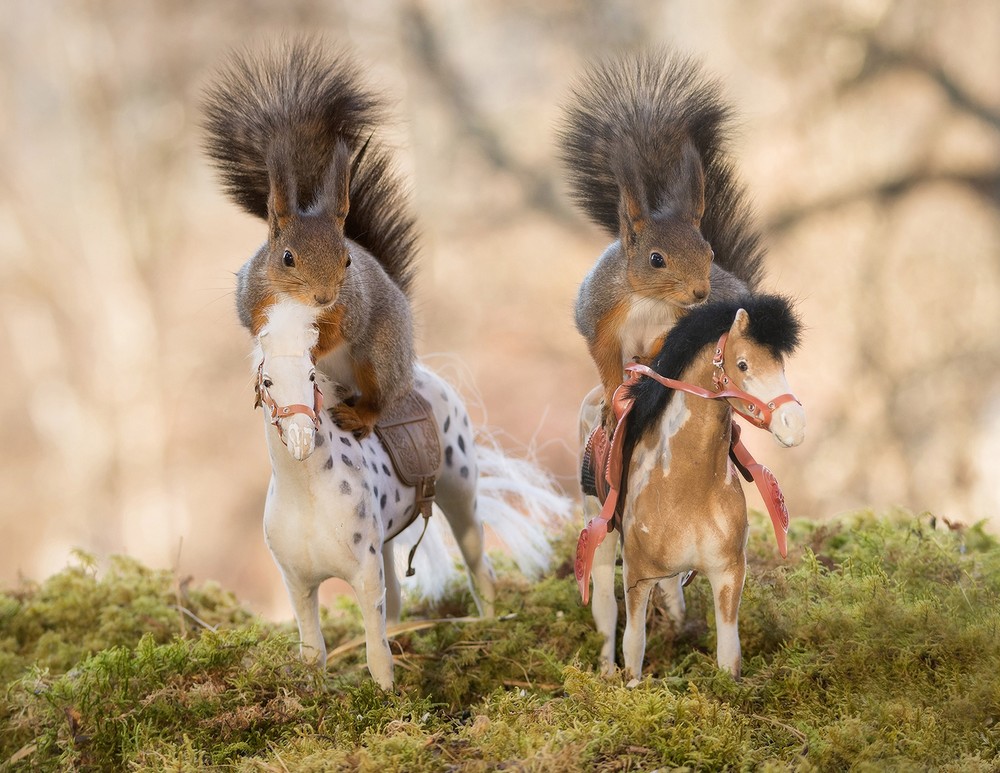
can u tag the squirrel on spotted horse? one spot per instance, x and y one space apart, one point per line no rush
643 142
292 134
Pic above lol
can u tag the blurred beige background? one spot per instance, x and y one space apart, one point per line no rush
870 136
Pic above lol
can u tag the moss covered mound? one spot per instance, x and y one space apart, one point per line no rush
875 646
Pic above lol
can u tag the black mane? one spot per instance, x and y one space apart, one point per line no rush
773 323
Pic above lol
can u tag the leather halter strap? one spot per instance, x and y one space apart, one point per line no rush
757 411
278 412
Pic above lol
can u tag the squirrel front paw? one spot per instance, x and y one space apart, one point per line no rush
351 419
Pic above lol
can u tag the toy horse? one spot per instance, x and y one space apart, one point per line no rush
334 502
684 509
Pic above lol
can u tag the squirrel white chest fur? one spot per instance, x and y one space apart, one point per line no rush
646 320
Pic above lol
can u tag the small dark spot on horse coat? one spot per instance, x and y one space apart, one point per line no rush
362 511
345 487
374 521
345 440
376 492
365 486
447 423
448 452
357 537
385 469
390 523
397 495
382 501
465 421
379 608
330 433
319 440
464 472
364 461
461 443
329 464
444 395
346 460
371 549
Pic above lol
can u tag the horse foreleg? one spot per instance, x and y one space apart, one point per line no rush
305 604
393 599
604 605
371 593
634 640
727 587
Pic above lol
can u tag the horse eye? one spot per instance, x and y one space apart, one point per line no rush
312 376
656 260
268 383
288 258
742 365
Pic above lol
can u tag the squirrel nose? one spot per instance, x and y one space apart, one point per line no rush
700 292
322 300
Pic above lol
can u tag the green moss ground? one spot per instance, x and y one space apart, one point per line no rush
875 646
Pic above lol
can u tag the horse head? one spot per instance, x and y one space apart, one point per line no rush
287 387
750 358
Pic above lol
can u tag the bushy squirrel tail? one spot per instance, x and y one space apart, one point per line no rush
632 117
299 98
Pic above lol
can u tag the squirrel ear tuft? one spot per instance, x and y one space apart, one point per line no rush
337 186
632 214
282 205
687 188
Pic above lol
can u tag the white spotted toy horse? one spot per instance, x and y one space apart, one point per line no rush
334 501
684 509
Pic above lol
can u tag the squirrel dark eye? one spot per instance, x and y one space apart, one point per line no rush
742 365
656 260
348 261
288 258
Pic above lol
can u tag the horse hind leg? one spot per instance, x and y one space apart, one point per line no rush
393 595
634 640
672 592
459 508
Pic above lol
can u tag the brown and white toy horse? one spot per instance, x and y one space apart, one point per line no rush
685 509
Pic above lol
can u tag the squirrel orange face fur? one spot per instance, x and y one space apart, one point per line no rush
667 258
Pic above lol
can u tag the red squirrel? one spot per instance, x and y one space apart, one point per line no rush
642 142
290 129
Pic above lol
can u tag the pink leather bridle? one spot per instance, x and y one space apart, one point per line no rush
278 412
757 412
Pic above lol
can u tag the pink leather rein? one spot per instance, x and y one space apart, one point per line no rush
278 412
758 412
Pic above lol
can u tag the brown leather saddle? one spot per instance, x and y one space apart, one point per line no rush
409 434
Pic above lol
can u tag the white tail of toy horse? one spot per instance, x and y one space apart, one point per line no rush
666 533
333 499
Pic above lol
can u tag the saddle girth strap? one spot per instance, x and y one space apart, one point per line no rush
409 434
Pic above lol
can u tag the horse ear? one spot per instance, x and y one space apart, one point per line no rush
281 203
741 324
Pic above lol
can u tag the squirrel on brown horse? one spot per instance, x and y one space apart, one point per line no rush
643 143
